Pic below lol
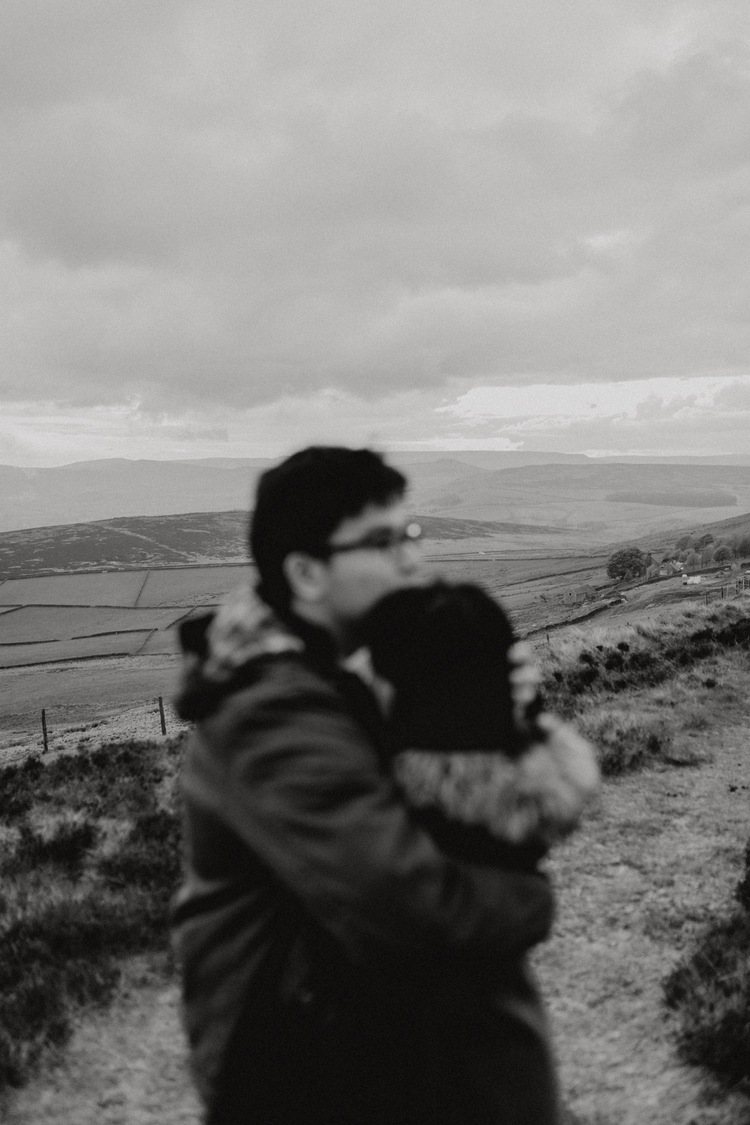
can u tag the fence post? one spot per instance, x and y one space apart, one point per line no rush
161 714
44 729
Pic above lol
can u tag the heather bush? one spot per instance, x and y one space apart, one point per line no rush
61 936
742 894
711 993
581 671
66 846
149 857
626 741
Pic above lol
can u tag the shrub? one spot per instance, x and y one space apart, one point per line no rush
651 654
66 846
149 858
58 957
742 894
711 993
59 948
625 742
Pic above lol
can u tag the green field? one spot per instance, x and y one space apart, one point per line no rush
83 648
81 616
114 588
75 616
36 623
190 586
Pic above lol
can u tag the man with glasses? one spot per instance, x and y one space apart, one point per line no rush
313 909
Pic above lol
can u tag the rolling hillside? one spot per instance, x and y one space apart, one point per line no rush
522 487
191 539
600 503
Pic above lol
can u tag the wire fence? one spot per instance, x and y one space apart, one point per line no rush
51 729
722 592
54 729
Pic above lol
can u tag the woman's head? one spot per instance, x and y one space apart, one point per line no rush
445 650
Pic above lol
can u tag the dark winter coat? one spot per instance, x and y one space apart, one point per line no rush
315 917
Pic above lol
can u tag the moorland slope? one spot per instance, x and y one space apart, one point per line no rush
200 538
517 487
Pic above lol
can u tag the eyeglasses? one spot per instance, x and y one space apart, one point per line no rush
380 539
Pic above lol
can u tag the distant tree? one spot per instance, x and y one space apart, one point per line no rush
703 541
743 547
682 543
722 554
692 560
707 554
626 562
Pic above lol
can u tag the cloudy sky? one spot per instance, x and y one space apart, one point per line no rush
228 227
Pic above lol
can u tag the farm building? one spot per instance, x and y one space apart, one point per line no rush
662 568
577 595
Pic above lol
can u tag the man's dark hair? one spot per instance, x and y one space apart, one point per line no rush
300 503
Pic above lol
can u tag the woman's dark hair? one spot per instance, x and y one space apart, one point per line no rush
300 503
445 650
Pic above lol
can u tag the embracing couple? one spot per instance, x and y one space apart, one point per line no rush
368 791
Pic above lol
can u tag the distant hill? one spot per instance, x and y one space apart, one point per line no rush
737 526
109 489
178 540
593 501
597 502
135 541
517 458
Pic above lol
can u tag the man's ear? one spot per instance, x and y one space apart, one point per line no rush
306 575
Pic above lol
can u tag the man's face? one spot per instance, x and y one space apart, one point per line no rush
355 579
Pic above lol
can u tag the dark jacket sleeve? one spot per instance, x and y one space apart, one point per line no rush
305 792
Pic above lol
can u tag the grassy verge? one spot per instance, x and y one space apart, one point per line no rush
636 692
651 694
89 860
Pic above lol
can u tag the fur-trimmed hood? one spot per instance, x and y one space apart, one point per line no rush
537 798
221 650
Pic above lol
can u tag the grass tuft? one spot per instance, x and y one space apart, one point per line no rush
626 741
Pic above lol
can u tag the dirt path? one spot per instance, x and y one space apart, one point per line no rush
659 860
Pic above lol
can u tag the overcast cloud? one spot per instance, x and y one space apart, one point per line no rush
228 228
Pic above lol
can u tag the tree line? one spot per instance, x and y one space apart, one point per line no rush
693 551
